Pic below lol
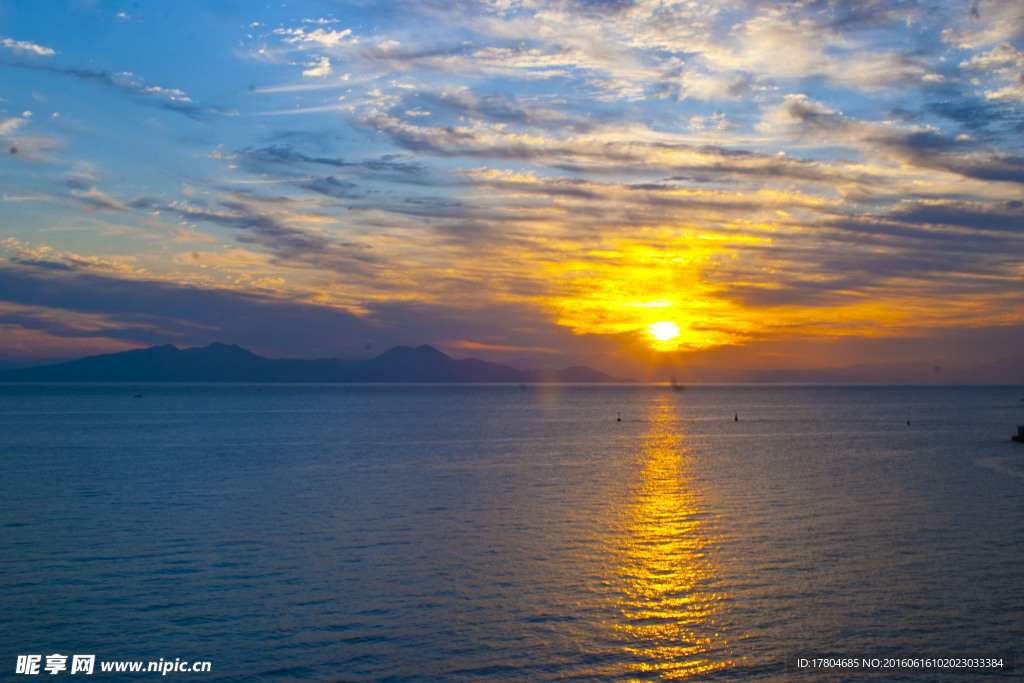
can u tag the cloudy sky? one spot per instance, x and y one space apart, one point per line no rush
763 184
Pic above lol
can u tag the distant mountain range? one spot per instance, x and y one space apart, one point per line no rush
229 363
425 364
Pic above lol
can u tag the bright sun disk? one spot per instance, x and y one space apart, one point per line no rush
663 330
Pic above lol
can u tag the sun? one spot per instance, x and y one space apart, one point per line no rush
664 331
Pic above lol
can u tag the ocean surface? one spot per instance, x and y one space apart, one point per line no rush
505 533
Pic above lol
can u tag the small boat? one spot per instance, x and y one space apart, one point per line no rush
1019 436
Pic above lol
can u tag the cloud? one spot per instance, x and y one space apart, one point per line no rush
318 69
97 199
608 151
927 149
77 303
921 147
318 37
1004 64
272 158
788 43
289 245
171 99
985 23
1007 217
332 187
19 145
20 46
496 107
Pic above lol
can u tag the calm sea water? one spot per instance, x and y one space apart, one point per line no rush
367 533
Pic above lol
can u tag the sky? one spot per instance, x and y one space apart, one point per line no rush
616 183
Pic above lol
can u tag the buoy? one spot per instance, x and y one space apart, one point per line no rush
737 418
620 417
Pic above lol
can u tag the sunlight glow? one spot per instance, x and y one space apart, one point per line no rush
657 295
670 598
664 331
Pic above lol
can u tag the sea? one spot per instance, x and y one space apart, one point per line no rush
511 533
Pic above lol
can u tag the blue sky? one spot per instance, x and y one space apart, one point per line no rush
759 183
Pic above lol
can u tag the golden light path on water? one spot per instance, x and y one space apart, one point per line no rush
670 597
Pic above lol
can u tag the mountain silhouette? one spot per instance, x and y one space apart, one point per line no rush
229 363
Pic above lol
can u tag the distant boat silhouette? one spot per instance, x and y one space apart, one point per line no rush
1019 436
676 386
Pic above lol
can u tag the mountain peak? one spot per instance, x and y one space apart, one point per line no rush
223 349
418 354
423 349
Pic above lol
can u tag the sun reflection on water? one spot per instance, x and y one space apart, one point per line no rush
670 596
